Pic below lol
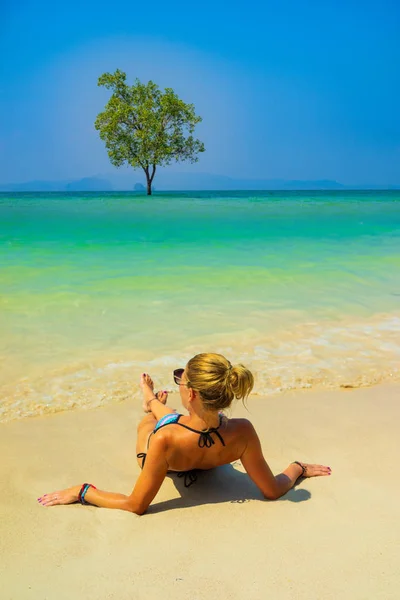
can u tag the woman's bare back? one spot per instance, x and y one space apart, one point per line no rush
184 453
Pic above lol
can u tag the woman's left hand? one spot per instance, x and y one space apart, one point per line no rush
68 496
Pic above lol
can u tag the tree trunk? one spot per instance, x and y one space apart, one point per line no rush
149 178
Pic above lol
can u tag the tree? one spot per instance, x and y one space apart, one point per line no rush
145 127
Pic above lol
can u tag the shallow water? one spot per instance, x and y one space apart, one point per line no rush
303 287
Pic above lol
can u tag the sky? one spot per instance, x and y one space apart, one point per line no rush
286 89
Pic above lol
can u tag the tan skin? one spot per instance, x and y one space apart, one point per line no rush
174 448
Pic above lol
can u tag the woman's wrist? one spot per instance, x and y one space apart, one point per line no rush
75 490
83 491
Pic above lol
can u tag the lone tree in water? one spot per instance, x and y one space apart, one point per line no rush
145 127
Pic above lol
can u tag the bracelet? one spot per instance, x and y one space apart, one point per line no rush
82 492
304 469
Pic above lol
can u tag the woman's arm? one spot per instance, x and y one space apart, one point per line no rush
146 487
273 487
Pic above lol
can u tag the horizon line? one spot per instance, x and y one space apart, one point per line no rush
389 188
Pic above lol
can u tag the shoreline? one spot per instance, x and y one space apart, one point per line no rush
344 355
132 393
330 538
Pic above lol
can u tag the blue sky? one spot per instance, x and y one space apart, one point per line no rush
292 90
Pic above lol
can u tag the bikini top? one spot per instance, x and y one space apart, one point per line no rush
205 438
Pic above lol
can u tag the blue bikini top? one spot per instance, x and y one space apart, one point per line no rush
205 438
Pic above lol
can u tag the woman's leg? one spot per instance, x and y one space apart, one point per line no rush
157 407
159 410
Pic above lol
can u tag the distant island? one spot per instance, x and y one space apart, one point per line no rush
175 181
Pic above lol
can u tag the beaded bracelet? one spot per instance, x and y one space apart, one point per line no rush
304 469
82 492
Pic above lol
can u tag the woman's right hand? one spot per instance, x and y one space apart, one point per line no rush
315 470
67 496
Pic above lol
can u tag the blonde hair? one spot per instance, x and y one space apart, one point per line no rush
217 381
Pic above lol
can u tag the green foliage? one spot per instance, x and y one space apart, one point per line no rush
145 127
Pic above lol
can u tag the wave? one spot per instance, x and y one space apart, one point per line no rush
344 354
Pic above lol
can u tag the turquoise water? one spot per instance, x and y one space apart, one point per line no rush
95 288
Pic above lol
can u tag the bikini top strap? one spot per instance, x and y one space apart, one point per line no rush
217 433
205 438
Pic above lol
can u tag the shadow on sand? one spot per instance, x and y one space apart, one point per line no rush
223 484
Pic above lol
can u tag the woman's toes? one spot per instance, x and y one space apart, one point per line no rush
145 379
149 381
162 396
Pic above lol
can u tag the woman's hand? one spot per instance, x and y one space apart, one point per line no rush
68 496
315 470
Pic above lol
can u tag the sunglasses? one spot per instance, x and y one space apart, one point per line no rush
178 377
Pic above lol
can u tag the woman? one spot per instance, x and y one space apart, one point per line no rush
205 439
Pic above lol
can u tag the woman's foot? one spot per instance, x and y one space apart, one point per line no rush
147 386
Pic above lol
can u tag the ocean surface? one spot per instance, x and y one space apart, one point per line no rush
302 287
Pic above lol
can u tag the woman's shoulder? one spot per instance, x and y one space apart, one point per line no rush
243 426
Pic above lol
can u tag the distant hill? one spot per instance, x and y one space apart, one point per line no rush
174 181
168 180
89 184
34 186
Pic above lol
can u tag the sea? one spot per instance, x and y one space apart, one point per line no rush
96 288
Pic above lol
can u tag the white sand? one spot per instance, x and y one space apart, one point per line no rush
331 538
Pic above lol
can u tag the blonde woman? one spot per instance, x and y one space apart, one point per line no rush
204 439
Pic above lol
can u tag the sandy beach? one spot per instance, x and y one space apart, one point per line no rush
207 181
331 538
